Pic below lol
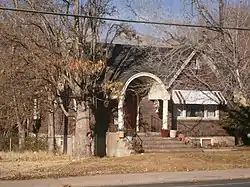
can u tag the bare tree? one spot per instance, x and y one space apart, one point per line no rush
227 50
18 88
68 54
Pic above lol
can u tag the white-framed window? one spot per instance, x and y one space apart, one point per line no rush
212 111
196 64
180 111
196 111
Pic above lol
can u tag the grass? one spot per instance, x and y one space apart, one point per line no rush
14 166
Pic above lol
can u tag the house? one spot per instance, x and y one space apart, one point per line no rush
188 101
171 88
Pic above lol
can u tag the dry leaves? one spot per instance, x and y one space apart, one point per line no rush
64 166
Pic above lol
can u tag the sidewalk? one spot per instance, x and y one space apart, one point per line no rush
128 179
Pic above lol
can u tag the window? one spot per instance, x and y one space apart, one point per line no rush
211 111
196 64
180 110
196 111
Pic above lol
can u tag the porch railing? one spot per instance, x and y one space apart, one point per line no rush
156 124
135 141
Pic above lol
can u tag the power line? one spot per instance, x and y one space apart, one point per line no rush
124 20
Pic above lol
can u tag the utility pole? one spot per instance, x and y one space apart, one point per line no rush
221 12
76 11
94 27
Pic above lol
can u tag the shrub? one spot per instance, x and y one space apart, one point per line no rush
238 119
237 122
30 144
5 142
35 144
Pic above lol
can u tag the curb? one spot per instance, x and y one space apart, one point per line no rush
133 179
177 177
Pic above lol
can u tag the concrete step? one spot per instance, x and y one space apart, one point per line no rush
172 150
149 134
162 142
165 146
159 138
158 144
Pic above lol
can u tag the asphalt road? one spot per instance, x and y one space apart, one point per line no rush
222 183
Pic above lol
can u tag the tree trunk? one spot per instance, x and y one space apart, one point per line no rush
82 141
65 134
50 132
66 102
54 120
21 135
102 122
21 132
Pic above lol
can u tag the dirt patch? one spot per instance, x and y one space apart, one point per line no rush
28 167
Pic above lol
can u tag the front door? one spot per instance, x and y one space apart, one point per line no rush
130 113
150 115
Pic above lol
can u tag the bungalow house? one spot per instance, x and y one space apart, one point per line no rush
170 97
171 90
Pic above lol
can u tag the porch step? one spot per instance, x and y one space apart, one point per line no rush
172 150
161 140
158 144
164 146
157 138
152 141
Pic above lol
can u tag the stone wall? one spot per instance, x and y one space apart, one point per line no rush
116 147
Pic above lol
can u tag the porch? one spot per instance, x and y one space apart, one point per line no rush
143 105
147 113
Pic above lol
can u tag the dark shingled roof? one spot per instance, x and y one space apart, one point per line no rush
127 60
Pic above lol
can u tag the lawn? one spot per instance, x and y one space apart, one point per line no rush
42 165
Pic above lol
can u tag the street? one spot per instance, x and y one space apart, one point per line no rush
222 183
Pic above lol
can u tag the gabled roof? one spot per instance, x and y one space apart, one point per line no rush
165 62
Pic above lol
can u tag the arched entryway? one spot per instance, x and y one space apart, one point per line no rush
140 86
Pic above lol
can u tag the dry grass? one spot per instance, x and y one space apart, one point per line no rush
41 165
31 156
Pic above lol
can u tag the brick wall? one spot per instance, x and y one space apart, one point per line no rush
200 79
200 128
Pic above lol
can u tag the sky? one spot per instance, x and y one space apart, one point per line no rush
164 11
154 10
171 11
172 6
